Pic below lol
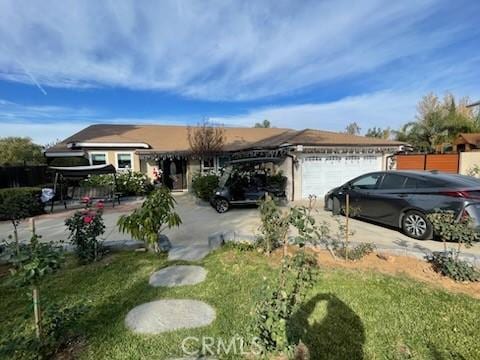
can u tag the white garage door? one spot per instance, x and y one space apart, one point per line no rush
323 173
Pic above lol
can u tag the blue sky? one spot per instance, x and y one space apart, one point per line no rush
317 64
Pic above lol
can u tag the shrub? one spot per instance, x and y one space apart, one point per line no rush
242 246
35 262
278 181
274 225
447 264
446 225
155 215
297 275
20 203
17 204
128 182
133 183
204 185
58 326
355 253
85 227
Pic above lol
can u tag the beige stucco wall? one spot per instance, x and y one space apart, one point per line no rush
468 160
286 168
193 167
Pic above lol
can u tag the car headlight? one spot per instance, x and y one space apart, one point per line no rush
217 193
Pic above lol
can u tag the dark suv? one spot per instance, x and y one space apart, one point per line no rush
403 198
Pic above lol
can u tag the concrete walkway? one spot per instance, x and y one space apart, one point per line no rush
200 220
52 226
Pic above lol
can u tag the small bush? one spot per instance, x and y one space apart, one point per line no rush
59 328
128 182
297 275
274 225
85 227
204 185
446 225
242 246
20 203
356 253
278 181
447 264
147 222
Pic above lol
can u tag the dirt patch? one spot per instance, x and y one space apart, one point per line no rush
381 262
400 265
72 349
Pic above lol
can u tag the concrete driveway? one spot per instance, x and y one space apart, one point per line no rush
190 240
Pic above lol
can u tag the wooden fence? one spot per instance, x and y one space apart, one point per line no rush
17 176
441 162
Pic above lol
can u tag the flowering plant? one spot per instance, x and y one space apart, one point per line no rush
128 182
85 227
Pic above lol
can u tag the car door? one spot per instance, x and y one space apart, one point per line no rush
360 191
387 201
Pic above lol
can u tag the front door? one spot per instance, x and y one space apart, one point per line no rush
174 173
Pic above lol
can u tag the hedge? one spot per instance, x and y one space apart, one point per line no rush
204 186
20 203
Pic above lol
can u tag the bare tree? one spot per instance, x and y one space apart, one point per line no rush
206 139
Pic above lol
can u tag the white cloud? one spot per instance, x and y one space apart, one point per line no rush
380 109
210 49
11 111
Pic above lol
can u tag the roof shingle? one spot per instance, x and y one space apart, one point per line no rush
166 138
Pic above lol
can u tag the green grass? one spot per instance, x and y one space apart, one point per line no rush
347 315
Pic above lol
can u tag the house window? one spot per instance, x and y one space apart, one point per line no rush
223 161
124 161
208 165
98 159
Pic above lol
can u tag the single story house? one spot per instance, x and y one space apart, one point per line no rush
467 142
313 161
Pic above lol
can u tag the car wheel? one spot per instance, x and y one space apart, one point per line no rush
221 205
336 206
416 225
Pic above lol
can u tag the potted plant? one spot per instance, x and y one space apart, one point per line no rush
154 216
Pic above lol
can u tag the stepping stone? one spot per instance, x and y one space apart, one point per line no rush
168 315
188 252
178 275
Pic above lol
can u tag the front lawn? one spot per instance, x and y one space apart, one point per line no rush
348 314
